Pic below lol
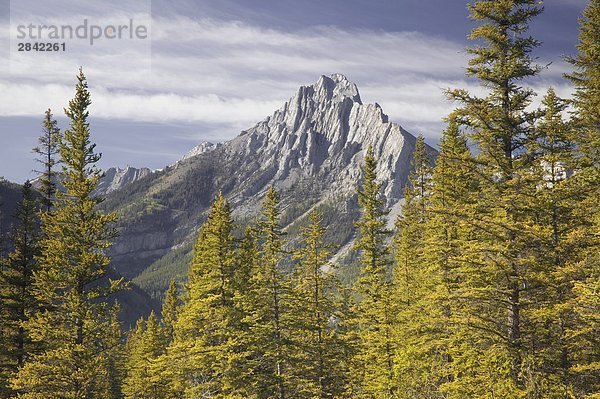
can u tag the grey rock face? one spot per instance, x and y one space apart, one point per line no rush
117 178
202 148
323 131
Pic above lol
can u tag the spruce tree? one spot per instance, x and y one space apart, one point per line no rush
170 308
559 234
247 289
586 79
133 353
74 322
415 358
16 290
47 150
266 310
113 349
145 345
206 321
411 226
372 367
319 361
497 277
446 231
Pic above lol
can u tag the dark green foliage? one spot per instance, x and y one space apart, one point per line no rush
17 298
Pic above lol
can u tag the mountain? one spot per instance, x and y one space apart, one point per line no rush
311 150
117 178
202 148
10 195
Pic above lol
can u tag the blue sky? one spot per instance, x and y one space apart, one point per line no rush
214 68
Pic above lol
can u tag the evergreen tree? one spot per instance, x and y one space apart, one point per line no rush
170 308
372 368
266 310
113 355
133 354
498 275
145 345
74 322
16 290
206 322
246 353
319 361
447 228
47 150
411 226
586 79
415 360
559 241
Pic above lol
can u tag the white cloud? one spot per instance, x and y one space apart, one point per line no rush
235 74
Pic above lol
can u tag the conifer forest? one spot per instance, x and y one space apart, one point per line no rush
486 285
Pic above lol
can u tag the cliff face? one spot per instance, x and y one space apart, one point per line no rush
117 178
311 150
321 133
134 302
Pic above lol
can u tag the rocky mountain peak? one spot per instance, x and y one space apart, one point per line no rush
311 150
322 132
335 88
117 178
202 148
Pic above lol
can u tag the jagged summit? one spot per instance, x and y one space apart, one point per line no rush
323 130
336 88
117 178
201 148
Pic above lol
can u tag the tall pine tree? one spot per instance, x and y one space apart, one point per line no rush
16 290
372 367
446 231
416 358
556 243
206 322
319 360
47 150
497 277
73 323
267 309
586 79
170 309
145 345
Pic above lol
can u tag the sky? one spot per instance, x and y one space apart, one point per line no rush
208 69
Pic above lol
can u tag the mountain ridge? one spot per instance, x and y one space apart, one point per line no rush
311 150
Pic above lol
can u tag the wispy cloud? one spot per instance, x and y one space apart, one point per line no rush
223 76
207 70
231 72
